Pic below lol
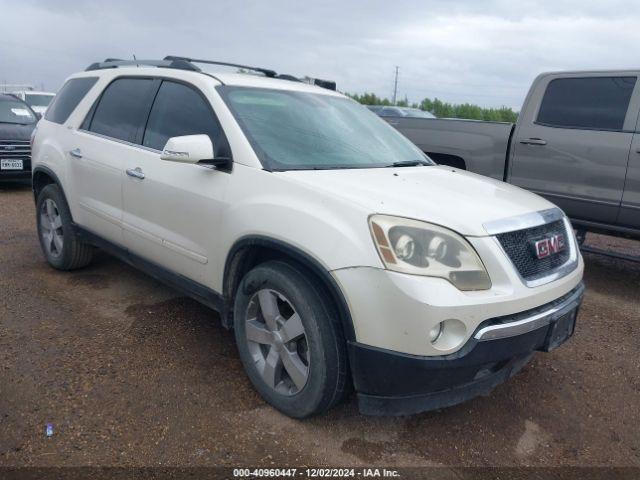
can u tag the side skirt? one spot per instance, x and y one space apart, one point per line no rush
195 290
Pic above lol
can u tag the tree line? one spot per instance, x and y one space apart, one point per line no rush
444 109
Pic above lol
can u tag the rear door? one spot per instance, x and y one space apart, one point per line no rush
630 208
572 143
102 145
172 210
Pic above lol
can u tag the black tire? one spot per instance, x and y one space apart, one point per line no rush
326 381
74 253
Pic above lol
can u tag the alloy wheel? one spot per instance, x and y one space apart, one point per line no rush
277 342
51 228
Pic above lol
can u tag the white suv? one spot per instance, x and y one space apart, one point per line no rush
339 253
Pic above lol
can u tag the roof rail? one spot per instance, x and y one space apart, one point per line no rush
187 63
179 64
265 71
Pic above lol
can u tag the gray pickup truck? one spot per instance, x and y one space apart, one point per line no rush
576 142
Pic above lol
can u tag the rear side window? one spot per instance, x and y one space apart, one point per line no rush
598 103
179 110
122 109
68 98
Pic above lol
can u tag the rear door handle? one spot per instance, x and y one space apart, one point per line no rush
76 153
136 173
533 141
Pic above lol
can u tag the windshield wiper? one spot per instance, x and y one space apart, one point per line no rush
409 163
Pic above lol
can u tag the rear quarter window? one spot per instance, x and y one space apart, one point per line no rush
595 103
70 95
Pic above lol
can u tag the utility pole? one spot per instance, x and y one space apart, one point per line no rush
395 86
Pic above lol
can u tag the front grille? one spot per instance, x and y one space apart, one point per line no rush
16 150
519 247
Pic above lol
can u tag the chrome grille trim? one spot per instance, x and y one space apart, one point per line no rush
522 222
15 149
569 266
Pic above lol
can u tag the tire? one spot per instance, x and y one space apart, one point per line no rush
322 348
59 242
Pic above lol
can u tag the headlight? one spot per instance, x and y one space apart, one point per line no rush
419 248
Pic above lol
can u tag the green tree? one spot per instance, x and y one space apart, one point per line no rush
444 109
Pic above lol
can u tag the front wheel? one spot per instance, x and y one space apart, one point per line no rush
289 340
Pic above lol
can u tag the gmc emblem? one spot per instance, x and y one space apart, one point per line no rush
549 246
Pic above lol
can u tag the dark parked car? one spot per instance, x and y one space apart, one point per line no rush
17 122
408 112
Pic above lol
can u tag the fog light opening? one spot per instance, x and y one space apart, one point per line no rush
451 334
436 332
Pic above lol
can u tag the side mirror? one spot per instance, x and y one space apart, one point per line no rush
196 149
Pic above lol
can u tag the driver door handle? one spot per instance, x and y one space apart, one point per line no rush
533 141
76 153
136 173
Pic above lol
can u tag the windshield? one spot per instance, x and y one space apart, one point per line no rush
299 131
14 111
38 100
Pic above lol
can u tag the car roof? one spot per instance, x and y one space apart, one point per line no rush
220 78
260 81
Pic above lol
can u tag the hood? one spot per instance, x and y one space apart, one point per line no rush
14 131
455 199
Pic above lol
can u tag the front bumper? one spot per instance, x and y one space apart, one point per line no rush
7 175
392 383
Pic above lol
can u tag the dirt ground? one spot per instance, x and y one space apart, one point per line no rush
129 372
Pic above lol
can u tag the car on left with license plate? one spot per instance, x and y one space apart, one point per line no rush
17 123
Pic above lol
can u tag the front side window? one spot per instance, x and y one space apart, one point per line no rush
180 110
596 103
298 131
15 112
68 98
122 109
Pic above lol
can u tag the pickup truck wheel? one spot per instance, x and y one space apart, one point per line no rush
58 240
289 340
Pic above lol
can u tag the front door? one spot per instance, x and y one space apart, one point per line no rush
172 210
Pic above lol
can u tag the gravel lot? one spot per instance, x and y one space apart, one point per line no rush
131 373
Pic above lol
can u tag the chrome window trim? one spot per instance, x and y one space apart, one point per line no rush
117 140
521 222
563 270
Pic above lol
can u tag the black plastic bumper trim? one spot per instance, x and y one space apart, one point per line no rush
394 383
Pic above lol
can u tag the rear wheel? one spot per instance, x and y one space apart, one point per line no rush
289 340
61 246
